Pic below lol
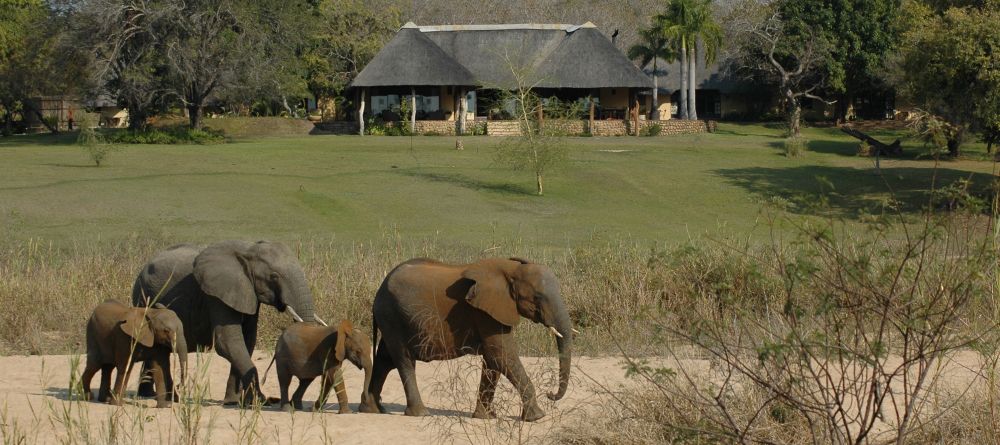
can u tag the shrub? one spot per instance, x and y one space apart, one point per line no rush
794 146
91 142
652 130
169 135
864 149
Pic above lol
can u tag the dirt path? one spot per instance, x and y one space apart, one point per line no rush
33 397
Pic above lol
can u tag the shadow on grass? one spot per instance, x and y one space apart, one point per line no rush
34 140
471 183
846 191
71 165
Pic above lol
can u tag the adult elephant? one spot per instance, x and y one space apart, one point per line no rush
428 310
216 291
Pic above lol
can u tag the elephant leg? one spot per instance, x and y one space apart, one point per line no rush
146 388
341 388
406 367
105 390
487 388
159 381
230 344
301 391
88 375
232 396
284 381
510 366
380 370
121 379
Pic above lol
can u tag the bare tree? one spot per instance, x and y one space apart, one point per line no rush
791 58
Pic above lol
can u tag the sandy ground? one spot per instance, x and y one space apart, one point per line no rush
34 402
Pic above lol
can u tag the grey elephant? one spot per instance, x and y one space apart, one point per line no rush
216 291
118 336
427 310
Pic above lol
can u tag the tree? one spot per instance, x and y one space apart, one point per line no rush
125 41
348 34
791 57
691 22
655 46
30 63
954 74
536 150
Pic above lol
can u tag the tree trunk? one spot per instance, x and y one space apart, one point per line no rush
538 180
27 104
8 123
361 113
692 63
413 110
655 112
955 144
682 110
794 116
194 116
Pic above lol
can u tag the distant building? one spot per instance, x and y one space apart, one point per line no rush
441 65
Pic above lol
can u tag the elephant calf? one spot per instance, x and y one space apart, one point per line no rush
308 351
118 336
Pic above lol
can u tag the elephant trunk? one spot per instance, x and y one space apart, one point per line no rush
299 302
366 397
180 347
564 343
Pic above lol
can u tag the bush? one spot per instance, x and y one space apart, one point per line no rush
864 149
169 135
794 146
652 130
91 142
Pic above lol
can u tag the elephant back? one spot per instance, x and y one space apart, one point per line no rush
168 279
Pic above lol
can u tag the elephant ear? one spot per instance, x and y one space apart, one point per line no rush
222 271
491 293
136 325
343 330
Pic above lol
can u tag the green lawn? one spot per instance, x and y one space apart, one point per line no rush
348 188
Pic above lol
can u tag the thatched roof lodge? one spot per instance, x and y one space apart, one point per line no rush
432 67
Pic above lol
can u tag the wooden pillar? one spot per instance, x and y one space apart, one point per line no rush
413 110
635 116
361 112
541 115
590 125
462 112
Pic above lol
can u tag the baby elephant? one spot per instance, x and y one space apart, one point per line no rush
308 351
119 335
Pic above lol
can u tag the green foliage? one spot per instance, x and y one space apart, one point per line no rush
864 149
954 74
348 35
960 195
794 146
170 135
652 130
91 142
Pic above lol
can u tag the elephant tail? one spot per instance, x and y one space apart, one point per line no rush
374 334
263 378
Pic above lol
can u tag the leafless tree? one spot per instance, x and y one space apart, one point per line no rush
792 60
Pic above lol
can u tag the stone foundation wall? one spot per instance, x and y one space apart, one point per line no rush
335 127
513 128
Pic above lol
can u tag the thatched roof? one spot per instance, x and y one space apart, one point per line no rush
410 58
714 76
547 56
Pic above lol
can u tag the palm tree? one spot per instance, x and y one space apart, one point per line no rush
704 28
690 21
655 45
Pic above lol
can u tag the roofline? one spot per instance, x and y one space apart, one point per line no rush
542 26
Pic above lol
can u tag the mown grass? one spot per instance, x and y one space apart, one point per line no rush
347 188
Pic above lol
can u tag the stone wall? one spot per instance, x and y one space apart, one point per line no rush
335 127
513 128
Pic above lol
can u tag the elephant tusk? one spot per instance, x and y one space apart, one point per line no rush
319 320
295 316
575 331
555 332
